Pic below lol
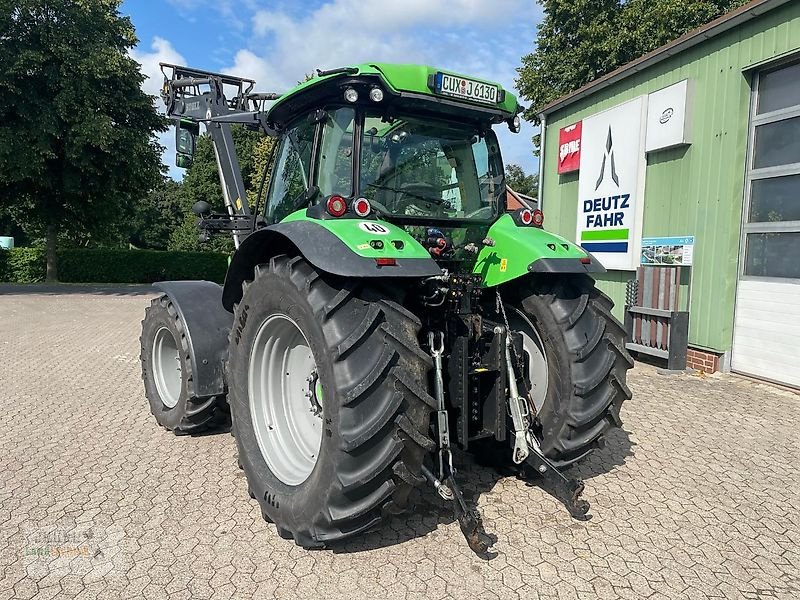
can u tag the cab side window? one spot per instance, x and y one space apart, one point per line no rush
335 170
290 174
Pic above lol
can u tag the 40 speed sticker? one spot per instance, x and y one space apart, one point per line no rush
373 227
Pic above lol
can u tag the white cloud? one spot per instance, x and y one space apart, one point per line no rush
350 16
477 37
161 50
350 31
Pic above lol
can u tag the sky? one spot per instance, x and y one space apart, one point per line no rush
278 42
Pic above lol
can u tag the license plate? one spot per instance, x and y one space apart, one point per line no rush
468 89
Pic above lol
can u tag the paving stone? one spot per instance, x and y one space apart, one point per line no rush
694 498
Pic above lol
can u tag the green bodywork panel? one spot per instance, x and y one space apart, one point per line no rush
407 78
516 248
350 232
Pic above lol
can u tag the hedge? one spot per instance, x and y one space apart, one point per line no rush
27 265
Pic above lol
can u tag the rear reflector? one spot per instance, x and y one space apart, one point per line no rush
362 207
586 260
386 262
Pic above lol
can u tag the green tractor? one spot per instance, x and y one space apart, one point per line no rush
383 306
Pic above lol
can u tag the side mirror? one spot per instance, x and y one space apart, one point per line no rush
186 142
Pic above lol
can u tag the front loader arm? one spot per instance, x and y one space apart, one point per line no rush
200 97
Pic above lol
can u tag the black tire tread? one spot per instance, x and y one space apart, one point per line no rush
384 417
199 414
598 363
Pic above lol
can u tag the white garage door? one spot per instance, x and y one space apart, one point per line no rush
766 340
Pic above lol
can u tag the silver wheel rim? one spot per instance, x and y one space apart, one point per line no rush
167 367
285 399
535 356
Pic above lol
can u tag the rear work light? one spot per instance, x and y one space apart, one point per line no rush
538 218
336 206
362 207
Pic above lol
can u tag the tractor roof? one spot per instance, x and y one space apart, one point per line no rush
413 86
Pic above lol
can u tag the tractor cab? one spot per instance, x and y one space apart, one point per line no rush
402 143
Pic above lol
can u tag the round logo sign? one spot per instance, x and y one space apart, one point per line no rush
373 227
666 116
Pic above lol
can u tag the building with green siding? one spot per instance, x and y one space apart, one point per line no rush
698 140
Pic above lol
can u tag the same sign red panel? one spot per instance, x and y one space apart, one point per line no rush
569 148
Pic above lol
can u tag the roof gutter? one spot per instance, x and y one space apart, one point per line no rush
743 14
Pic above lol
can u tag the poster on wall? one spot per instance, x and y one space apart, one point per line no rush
668 251
569 148
611 184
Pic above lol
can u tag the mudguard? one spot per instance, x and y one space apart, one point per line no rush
206 323
519 250
343 247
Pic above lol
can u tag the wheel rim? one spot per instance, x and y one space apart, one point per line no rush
535 356
285 399
167 367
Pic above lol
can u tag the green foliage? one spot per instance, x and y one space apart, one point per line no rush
27 265
201 182
580 40
77 143
261 156
22 265
156 216
520 182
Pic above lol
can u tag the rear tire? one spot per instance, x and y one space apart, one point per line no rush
586 363
167 374
375 408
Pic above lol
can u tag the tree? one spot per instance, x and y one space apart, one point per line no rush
520 182
156 216
77 144
581 40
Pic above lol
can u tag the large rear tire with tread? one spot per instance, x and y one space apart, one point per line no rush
586 363
167 374
375 407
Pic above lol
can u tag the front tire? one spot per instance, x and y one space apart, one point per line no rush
167 374
365 379
583 356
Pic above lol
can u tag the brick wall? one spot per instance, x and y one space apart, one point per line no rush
700 360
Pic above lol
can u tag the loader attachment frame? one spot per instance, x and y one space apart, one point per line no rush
218 101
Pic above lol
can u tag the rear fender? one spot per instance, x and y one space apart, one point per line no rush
519 250
337 246
206 325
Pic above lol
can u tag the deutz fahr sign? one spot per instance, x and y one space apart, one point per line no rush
611 184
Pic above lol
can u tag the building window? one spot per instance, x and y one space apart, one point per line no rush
772 216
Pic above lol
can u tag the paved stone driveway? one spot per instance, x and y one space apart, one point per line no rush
697 497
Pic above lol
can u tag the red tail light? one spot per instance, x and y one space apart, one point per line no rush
336 206
526 217
538 218
362 207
